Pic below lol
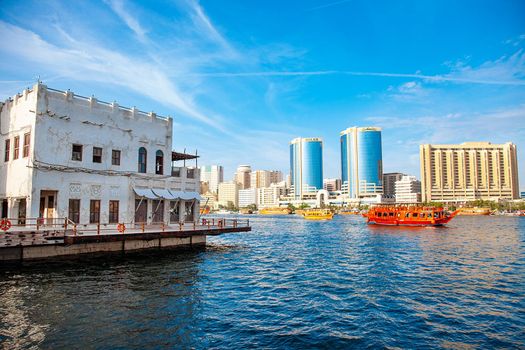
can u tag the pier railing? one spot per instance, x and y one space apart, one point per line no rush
66 227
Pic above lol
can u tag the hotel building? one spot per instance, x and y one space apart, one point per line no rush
469 171
306 166
264 178
69 156
229 192
389 183
243 176
361 162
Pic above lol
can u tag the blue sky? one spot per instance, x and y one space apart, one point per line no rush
243 78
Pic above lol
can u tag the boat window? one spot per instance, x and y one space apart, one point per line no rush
422 215
429 215
436 215
391 214
407 215
379 214
414 215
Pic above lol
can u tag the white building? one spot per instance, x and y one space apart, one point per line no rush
242 176
65 155
268 197
247 197
408 190
332 185
229 192
213 175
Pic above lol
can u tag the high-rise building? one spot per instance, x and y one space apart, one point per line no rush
408 190
306 165
332 185
242 176
469 171
229 192
213 175
361 162
389 183
264 178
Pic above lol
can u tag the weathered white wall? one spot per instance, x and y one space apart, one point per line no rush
58 120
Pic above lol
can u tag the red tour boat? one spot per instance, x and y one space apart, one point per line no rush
409 216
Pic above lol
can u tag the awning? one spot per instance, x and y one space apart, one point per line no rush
185 195
163 193
145 193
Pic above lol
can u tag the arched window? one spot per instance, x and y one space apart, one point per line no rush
143 156
159 163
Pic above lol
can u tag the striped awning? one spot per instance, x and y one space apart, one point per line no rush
164 193
145 193
186 195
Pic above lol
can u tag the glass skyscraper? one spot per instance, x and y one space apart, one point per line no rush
361 161
306 165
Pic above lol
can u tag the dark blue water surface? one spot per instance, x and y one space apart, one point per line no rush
289 283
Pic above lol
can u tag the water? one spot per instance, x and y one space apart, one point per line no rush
289 283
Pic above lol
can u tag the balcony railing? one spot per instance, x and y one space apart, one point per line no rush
189 173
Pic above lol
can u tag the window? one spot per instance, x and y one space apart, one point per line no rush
159 163
16 147
97 155
27 140
76 153
115 157
74 210
94 211
7 150
113 212
142 159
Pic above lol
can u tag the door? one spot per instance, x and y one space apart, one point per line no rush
141 210
22 211
48 201
3 212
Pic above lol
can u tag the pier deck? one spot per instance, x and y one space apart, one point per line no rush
26 243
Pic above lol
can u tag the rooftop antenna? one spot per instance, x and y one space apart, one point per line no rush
184 158
196 159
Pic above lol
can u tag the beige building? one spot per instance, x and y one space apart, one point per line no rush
389 183
264 178
229 192
469 171
268 197
408 190
243 176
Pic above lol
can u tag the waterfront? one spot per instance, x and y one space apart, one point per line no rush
290 283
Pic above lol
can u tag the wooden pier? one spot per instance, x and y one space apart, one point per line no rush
32 241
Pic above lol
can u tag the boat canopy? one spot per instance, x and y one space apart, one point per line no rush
164 193
186 195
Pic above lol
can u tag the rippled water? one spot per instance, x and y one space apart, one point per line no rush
289 283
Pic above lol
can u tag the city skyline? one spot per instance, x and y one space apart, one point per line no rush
228 78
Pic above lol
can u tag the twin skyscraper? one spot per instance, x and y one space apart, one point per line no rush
361 163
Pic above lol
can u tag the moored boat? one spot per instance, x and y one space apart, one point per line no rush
409 216
275 211
318 214
474 211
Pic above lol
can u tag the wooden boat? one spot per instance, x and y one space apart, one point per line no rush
474 211
204 210
318 214
409 216
275 211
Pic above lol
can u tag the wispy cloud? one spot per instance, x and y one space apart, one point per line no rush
330 4
118 7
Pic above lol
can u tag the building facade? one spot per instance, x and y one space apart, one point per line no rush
268 197
332 185
213 175
247 197
469 171
243 176
389 183
408 190
306 166
264 178
229 193
361 162
69 156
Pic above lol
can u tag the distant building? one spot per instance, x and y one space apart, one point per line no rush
361 162
209 199
229 192
522 195
306 166
408 190
247 197
264 178
242 176
204 187
268 197
332 185
469 171
213 175
389 183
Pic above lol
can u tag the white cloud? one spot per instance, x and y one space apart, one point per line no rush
118 7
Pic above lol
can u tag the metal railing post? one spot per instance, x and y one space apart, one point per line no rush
98 228
143 226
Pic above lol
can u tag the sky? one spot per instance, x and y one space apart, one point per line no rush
241 78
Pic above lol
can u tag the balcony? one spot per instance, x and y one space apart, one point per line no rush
185 173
